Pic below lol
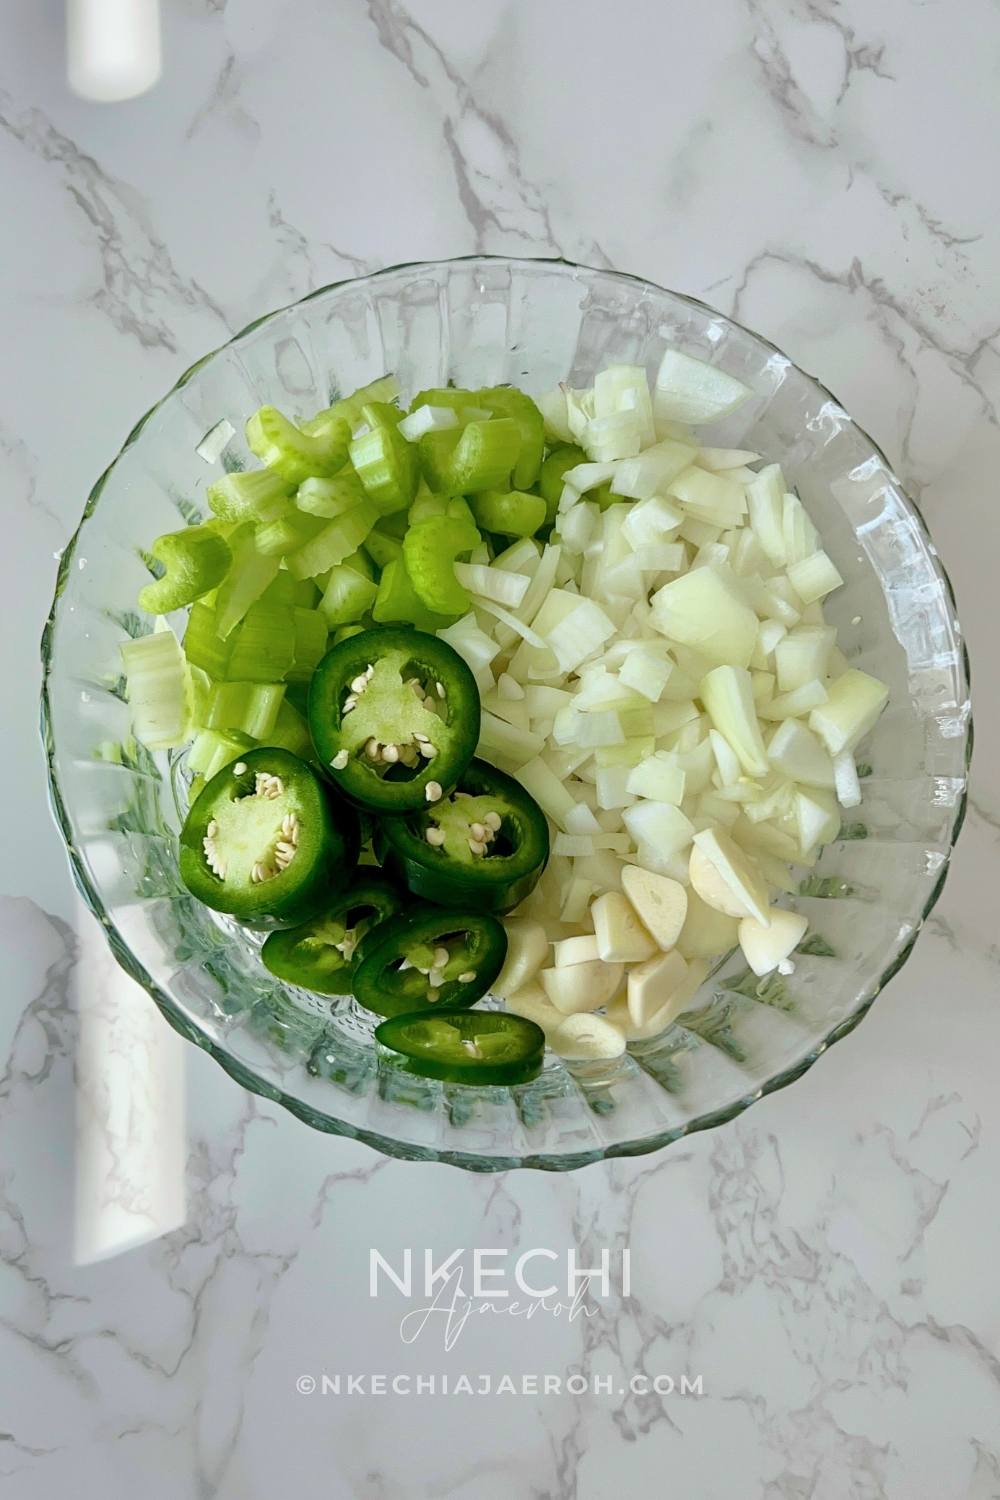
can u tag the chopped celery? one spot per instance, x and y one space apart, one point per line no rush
204 645
430 549
257 495
397 600
436 452
348 595
249 707
383 414
334 543
385 388
388 467
195 561
330 497
485 455
396 524
512 514
506 401
310 643
263 647
359 562
291 732
550 478
294 454
382 549
428 419
211 751
156 681
278 538
284 589
249 578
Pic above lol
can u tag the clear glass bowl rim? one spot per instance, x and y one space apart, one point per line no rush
270 1090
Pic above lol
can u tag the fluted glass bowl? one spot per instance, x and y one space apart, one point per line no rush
484 321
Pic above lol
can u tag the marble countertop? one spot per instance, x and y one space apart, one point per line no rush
825 1266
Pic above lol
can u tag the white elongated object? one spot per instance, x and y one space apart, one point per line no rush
112 48
527 950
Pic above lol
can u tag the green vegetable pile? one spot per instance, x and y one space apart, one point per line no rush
328 722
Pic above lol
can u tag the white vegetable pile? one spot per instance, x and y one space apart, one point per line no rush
661 678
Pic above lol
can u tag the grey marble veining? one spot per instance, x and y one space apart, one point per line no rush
827 1263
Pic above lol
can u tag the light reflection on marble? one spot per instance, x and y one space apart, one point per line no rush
828 1261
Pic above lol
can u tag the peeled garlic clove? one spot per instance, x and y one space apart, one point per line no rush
764 948
581 1038
527 950
660 903
533 1004
706 932
653 983
581 987
620 936
575 950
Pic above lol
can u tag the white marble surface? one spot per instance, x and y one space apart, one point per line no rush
827 1263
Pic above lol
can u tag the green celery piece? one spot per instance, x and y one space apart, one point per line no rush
384 389
382 549
513 513
291 732
294 454
195 561
263 647
550 477
398 523
310 643
485 455
212 750
248 579
257 495
455 397
204 646
388 467
278 538
430 549
284 589
381 414
348 596
398 601
437 454
427 505
297 694
330 497
360 563
506 401
249 708
336 542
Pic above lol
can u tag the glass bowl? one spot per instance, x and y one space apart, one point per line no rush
484 321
